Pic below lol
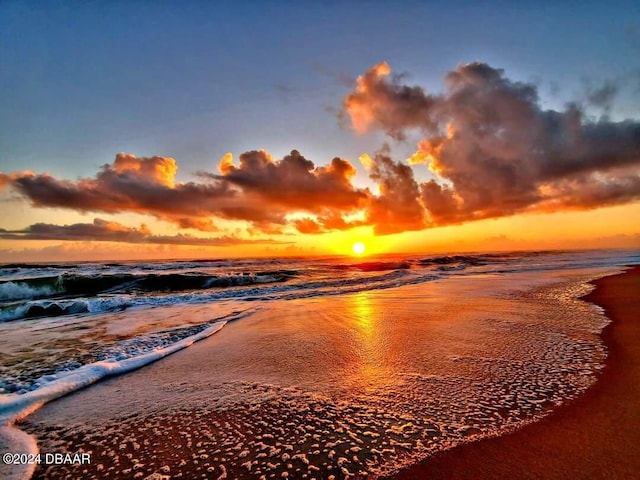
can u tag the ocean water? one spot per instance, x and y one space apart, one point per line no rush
318 366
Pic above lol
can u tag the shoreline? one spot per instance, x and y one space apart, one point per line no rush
596 435
68 421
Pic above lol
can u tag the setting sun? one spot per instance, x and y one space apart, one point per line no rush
358 248
373 262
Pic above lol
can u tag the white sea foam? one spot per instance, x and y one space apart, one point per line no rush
16 406
16 441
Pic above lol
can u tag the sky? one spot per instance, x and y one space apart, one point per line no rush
144 129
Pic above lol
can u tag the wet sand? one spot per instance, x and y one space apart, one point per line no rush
595 436
355 387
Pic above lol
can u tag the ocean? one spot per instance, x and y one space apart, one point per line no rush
295 367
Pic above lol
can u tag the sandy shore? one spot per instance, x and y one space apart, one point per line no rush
372 389
595 436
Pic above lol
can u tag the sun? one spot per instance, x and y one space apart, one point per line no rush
358 248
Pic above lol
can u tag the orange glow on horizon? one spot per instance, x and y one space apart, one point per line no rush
601 228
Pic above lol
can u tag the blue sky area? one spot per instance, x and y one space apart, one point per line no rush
82 81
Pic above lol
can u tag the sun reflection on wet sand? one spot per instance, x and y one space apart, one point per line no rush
373 368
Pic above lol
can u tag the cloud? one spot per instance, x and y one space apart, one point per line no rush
261 190
397 208
4 180
144 185
493 150
308 225
378 102
327 223
294 182
105 231
602 96
202 224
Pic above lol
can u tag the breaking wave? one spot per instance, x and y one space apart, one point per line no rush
21 290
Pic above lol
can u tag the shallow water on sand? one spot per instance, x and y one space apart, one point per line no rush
350 385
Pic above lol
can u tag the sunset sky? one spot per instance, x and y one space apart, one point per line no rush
192 129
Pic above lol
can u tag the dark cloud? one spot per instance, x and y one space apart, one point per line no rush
294 182
106 231
602 96
495 150
130 184
261 190
442 202
397 208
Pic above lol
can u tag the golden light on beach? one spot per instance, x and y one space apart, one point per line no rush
330 271
358 248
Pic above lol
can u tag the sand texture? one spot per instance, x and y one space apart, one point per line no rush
595 436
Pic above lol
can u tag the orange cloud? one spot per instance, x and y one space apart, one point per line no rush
495 150
260 190
322 224
295 184
226 163
308 225
130 184
381 103
294 181
397 208
160 170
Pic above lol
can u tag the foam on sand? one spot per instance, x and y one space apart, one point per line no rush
14 440
13 407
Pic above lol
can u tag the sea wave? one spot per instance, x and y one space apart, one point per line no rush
14 406
259 287
95 284
30 293
374 266
470 260
20 290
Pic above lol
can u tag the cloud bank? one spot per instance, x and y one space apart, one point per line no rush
493 150
105 231
490 147
260 190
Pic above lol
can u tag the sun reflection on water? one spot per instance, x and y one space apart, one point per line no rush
363 312
372 370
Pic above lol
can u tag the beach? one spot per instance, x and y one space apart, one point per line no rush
319 240
597 435
343 371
